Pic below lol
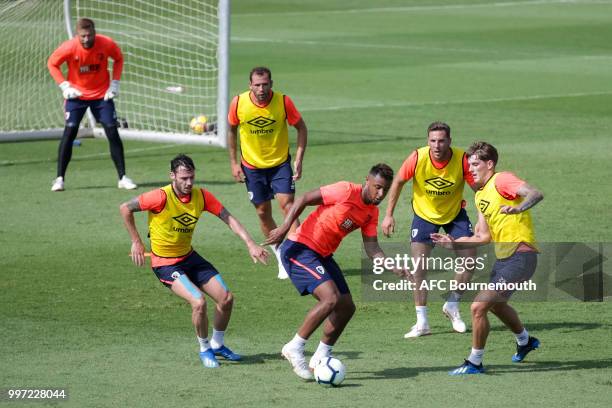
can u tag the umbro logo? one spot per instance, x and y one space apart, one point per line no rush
186 219
439 183
261 122
483 205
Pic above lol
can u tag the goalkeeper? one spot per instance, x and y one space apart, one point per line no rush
88 86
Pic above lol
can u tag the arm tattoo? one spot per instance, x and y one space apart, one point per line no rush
224 215
133 205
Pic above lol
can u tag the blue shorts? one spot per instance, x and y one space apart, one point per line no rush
263 184
307 269
457 228
198 270
519 267
103 111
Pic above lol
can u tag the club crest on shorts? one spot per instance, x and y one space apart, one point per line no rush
176 275
250 193
415 231
320 269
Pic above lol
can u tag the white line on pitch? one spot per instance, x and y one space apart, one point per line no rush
424 8
458 102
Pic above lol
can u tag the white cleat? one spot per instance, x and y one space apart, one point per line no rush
298 362
417 331
455 318
58 184
126 183
315 359
282 273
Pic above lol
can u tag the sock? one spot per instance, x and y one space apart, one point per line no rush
116 149
204 345
323 349
297 342
476 356
421 313
216 341
276 250
453 299
522 338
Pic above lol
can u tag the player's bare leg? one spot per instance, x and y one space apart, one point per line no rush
338 319
451 306
184 288
216 289
420 251
333 328
328 296
285 201
264 212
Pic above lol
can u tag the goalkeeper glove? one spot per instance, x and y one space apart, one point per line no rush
69 91
113 90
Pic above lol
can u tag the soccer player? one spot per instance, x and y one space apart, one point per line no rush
88 86
173 212
265 163
503 201
307 256
438 172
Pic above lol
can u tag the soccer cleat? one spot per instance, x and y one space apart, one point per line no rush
455 318
298 362
522 351
417 331
227 354
126 183
468 368
314 360
58 184
208 359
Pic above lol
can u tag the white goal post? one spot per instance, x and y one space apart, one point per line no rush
176 65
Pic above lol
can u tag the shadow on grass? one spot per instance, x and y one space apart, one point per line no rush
262 358
525 367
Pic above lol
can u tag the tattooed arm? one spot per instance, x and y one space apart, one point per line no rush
127 211
531 196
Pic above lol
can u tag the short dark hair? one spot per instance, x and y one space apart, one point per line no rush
260 71
181 160
484 151
85 24
382 170
439 126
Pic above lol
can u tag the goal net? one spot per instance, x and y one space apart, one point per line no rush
175 65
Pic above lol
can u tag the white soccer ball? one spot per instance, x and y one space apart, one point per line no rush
329 372
198 124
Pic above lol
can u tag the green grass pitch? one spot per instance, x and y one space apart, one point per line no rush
532 77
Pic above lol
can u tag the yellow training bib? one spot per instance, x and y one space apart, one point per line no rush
264 137
171 230
437 193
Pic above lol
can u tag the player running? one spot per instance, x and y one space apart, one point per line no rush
438 172
307 256
173 212
265 164
88 86
503 201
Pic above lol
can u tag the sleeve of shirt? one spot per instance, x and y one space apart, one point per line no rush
115 53
153 201
371 228
293 116
406 172
211 204
467 175
333 193
55 61
232 114
507 184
